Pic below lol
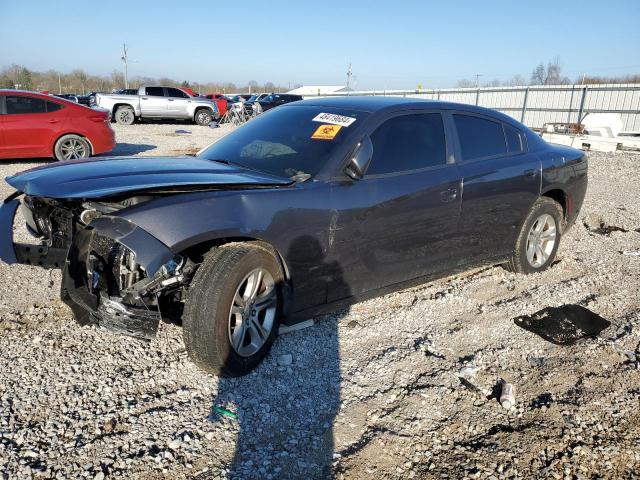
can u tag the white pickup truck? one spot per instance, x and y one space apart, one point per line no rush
158 102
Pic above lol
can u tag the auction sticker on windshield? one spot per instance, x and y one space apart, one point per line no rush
326 132
334 119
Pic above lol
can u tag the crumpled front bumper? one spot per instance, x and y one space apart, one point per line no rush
91 307
12 253
98 307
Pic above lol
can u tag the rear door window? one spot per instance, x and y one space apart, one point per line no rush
155 91
479 137
176 93
408 142
19 104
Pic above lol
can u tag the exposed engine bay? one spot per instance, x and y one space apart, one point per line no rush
114 274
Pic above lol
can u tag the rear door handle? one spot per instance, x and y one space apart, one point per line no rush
448 195
53 120
144 98
170 99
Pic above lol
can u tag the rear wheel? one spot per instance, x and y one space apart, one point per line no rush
203 117
232 309
70 147
125 116
539 238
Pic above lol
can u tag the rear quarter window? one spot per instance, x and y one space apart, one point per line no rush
514 139
479 137
53 107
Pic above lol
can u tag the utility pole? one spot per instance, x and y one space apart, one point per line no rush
124 60
478 75
59 84
349 75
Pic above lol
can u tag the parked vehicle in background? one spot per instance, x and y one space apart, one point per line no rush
67 96
88 99
274 100
158 103
126 91
220 100
36 125
309 207
251 102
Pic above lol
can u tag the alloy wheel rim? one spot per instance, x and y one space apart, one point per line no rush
125 116
72 149
541 240
253 312
202 117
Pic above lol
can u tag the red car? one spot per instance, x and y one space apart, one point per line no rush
37 125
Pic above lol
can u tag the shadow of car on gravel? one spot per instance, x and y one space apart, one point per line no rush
563 325
122 149
286 412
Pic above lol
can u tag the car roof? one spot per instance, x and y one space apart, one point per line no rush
376 103
50 97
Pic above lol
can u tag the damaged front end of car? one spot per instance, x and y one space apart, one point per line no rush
115 274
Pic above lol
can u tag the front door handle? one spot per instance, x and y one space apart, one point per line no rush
144 98
53 120
448 195
170 99
530 173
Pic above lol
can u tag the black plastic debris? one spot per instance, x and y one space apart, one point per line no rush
563 325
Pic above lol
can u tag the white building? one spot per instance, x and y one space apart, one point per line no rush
319 90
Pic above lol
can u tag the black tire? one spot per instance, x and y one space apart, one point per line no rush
125 115
71 147
207 323
519 263
203 117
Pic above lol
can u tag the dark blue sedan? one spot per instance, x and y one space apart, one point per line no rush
311 206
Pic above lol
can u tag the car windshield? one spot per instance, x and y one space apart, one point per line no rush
287 141
252 98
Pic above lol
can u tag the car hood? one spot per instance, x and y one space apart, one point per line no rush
103 177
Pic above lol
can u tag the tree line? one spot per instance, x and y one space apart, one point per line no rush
549 74
80 82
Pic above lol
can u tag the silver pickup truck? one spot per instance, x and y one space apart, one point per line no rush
158 102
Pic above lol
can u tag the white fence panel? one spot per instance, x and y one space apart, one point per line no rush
537 105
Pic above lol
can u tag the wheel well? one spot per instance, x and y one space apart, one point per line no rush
560 197
201 108
118 105
198 251
53 150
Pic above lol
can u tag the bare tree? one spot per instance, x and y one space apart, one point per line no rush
539 75
465 83
517 81
551 75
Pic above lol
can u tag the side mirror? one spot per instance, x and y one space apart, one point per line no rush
360 159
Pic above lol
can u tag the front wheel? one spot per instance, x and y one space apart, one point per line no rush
232 308
70 147
539 238
203 117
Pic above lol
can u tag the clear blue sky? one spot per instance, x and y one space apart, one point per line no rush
391 44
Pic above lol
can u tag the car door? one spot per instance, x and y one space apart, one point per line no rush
395 223
153 103
501 181
2 115
28 129
177 103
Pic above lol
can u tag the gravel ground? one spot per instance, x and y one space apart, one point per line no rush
402 386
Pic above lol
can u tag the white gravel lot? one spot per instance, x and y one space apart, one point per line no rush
372 392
